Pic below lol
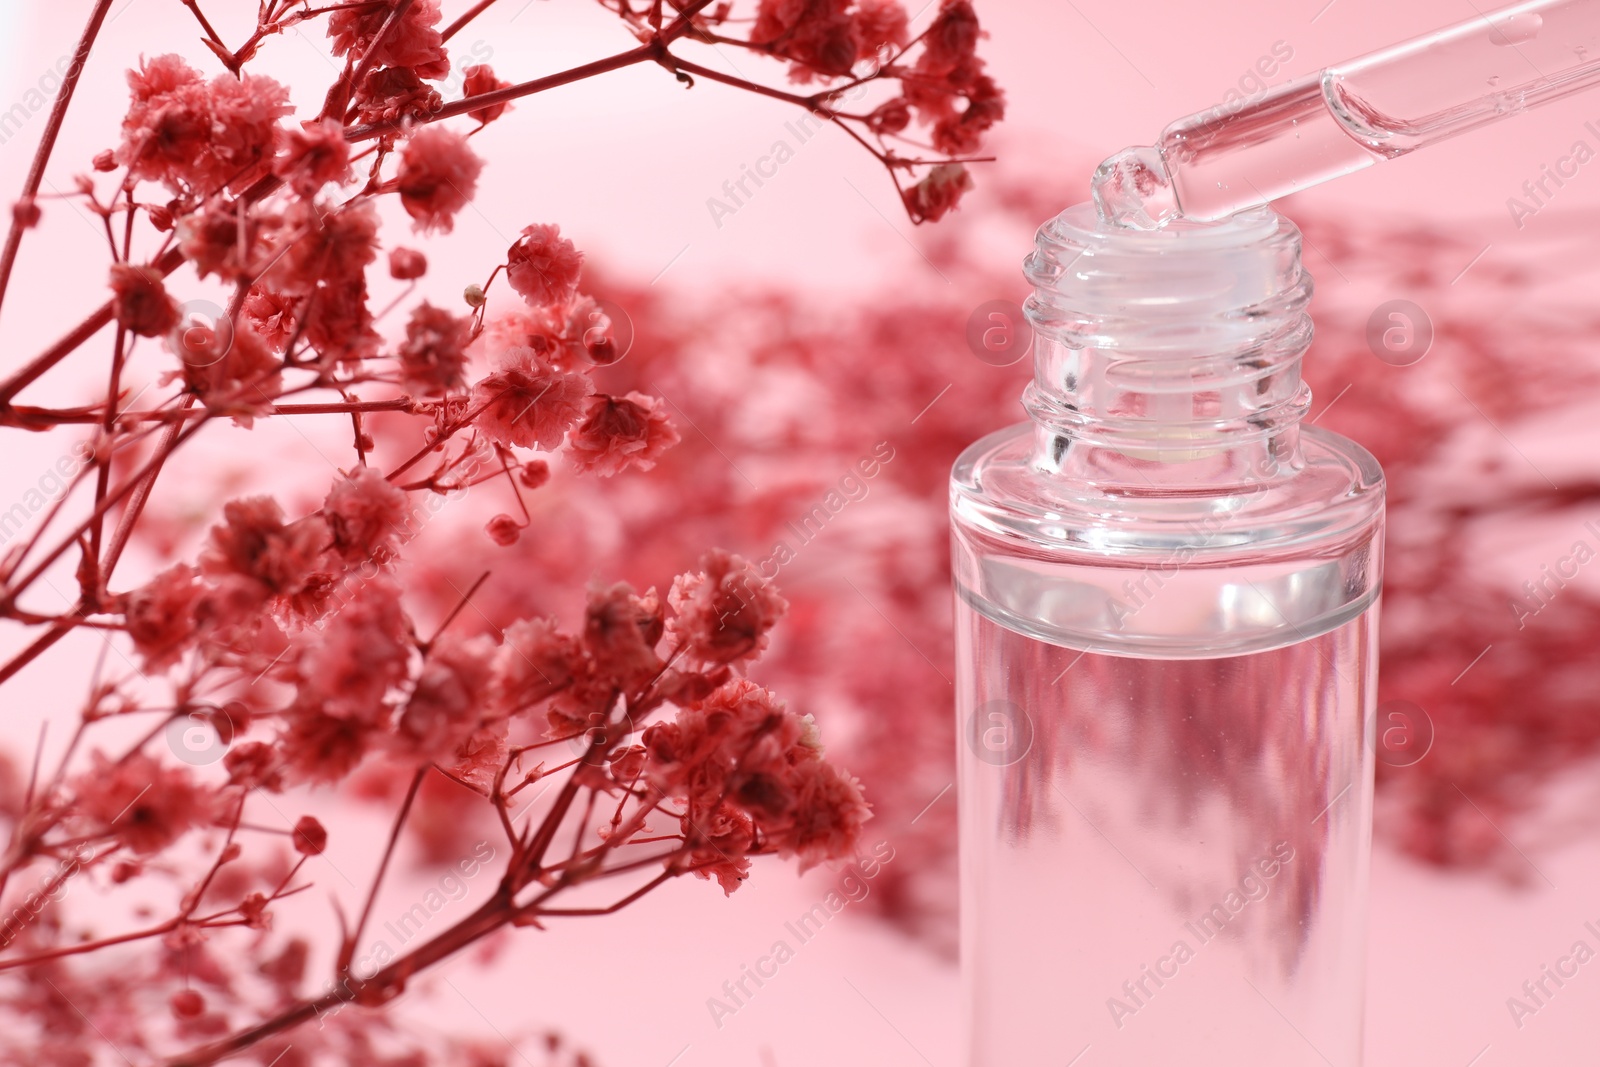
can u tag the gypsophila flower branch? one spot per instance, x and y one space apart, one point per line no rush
626 750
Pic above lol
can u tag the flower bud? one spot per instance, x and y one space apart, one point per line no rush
503 530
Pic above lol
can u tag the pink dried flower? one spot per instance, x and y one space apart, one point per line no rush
253 909
952 39
880 25
724 610
407 264
25 213
328 248
825 822
890 117
543 266
724 835
938 193
477 759
140 803
244 125
218 241
160 616
233 370
325 260
322 748
189 133
313 155
521 326
367 516
621 432
627 764
621 630
589 334
962 133
254 765
360 653
341 329
433 355
187 1004
415 42
388 94
745 765
584 709
255 543
480 79
535 473
535 661
450 700
275 607
503 530
529 403
140 301
310 839
167 123
739 728
817 35
438 176
233 627
272 314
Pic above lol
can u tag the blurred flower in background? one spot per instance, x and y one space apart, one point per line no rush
818 436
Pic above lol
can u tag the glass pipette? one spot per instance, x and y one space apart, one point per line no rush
1346 117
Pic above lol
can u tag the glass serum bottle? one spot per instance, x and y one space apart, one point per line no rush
1167 598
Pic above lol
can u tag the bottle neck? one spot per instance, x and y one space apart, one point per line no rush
1168 360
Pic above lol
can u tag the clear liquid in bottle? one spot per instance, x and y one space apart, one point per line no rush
1167 853
1166 659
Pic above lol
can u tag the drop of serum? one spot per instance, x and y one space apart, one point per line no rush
1518 29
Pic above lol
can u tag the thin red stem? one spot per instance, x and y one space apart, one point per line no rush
347 951
12 590
47 142
33 418
460 604
169 262
467 16
652 51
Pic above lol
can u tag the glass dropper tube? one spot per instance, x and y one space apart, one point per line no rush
1348 116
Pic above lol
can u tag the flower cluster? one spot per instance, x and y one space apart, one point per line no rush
413 42
278 644
438 176
943 88
828 39
141 805
198 136
529 401
722 614
619 432
751 777
948 89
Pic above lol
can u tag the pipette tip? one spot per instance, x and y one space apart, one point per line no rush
1133 190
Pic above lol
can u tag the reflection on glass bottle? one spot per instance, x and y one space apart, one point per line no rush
1166 624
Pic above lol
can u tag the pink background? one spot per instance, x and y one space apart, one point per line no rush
626 164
